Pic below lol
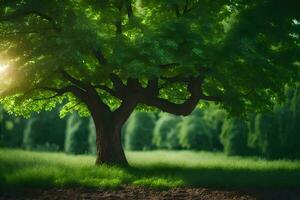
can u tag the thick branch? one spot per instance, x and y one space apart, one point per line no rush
185 108
152 87
118 84
108 90
79 93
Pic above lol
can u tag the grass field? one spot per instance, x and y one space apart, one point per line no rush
157 169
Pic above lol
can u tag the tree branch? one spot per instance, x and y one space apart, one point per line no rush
48 18
129 9
194 87
73 106
118 84
75 81
100 57
37 13
211 98
186 6
176 8
108 90
46 98
168 65
24 32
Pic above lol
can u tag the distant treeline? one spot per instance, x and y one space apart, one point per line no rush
270 135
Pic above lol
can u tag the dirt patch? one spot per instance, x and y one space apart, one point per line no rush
135 193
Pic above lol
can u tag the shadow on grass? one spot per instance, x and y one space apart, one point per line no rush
220 177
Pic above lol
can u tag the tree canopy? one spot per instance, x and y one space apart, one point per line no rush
172 53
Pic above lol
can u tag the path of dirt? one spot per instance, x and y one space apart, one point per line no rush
136 193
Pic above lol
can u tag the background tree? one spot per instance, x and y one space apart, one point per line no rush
234 136
11 132
195 134
139 131
108 57
165 133
77 133
214 118
45 131
92 137
266 128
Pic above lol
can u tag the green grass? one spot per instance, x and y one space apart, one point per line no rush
157 169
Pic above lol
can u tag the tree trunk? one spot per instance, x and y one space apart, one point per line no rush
108 142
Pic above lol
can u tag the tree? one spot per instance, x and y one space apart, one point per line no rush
92 137
165 133
266 128
45 131
139 131
215 117
108 57
77 133
195 134
234 136
11 132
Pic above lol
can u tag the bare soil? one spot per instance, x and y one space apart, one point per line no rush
136 193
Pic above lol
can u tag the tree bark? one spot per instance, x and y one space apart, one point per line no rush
108 141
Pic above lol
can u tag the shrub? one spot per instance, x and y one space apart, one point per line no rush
92 137
45 131
139 131
194 134
165 135
266 129
234 136
77 135
215 118
11 133
294 136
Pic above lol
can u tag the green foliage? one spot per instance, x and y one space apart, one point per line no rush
293 137
45 131
77 133
266 128
234 136
165 135
276 134
92 137
194 134
11 130
215 117
249 61
139 131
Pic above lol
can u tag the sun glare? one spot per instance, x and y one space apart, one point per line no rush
3 68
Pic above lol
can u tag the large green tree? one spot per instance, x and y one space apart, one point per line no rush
108 57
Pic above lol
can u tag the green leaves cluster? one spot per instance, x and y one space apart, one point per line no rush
249 49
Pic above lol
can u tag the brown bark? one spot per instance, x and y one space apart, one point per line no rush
108 143
108 129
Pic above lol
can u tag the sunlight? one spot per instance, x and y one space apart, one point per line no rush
3 68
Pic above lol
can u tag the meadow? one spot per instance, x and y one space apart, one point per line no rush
154 169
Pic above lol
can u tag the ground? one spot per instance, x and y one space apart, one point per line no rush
153 175
142 193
